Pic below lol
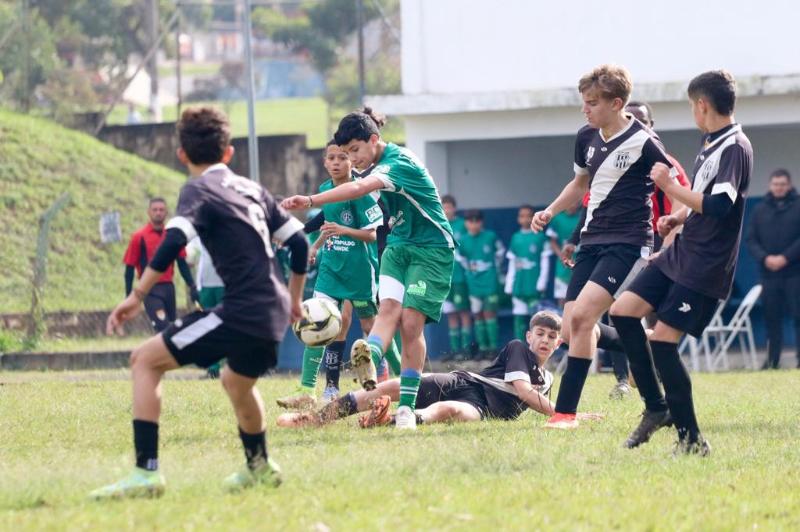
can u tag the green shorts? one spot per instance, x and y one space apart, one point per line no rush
488 303
211 296
458 298
363 308
419 277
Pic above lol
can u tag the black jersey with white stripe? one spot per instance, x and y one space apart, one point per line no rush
703 256
515 362
237 220
619 210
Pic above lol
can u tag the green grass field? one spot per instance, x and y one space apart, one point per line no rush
61 438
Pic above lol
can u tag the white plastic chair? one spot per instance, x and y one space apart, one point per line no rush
738 328
694 345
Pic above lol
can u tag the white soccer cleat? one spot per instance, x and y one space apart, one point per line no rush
405 419
361 363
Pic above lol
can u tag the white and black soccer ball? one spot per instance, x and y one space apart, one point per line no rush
320 324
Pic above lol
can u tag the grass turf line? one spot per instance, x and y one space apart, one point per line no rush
61 439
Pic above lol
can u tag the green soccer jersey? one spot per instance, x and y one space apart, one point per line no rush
348 267
561 227
409 194
524 256
459 230
480 255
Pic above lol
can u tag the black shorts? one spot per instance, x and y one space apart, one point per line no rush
677 306
453 386
159 304
202 338
608 265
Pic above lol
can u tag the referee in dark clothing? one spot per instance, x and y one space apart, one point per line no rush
773 239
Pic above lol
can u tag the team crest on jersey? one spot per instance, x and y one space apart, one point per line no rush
589 153
346 217
622 159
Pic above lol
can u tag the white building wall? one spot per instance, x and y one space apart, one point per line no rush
463 46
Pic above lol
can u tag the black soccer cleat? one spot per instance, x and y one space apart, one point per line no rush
699 446
650 423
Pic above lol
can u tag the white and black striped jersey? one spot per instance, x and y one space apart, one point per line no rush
620 209
514 362
236 220
703 257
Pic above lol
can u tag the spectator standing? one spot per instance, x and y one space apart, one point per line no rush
773 239
160 301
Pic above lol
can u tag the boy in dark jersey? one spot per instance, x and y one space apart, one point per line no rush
514 381
694 271
236 220
613 155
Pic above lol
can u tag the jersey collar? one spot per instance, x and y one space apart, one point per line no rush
622 131
214 168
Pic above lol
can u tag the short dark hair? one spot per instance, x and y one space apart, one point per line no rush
156 199
448 198
546 318
204 134
612 81
473 214
648 110
781 172
359 125
527 206
717 87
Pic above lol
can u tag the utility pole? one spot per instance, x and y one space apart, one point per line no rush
252 139
178 31
26 75
360 22
151 26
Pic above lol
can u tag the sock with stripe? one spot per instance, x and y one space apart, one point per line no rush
492 333
333 362
409 384
520 327
375 348
312 359
255 448
481 335
145 442
392 356
571 387
455 338
466 338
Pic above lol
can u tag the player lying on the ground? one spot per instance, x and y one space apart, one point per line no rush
516 380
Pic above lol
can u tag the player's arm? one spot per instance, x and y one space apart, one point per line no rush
315 223
129 272
186 273
330 229
533 398
572 192
348 191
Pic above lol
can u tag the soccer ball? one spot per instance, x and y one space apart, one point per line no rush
320 324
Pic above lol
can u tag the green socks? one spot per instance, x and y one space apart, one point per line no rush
492 333
312 358
520 327
409 384
393 357
375 349
481 335
455 339
466 339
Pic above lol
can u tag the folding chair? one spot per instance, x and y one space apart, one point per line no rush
738 328
694 345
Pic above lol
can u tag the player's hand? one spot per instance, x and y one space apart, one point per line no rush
566 255
775 262
330 229
125 311
296 311
666 224
293 203
540 220
660 176
589 416
312 256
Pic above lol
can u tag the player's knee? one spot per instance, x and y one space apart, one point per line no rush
581 321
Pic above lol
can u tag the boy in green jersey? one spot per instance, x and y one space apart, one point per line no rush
346 255
559 231
417 263
524 280
481 253
456 306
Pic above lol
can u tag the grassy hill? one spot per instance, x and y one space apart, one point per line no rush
40 160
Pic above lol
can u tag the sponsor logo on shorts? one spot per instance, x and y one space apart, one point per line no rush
612 280
359 303
685 307
417 289
178 323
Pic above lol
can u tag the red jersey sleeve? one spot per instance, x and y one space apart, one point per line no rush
132 257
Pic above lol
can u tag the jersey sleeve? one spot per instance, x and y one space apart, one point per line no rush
191 211
131 257
581 146
653 152
368 214
732 165
387 175
518 366
281 224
